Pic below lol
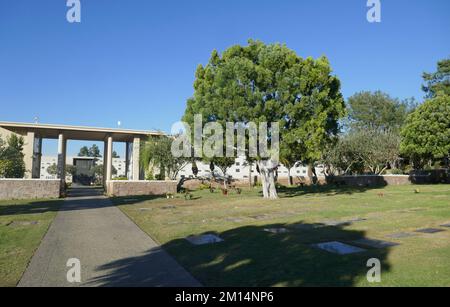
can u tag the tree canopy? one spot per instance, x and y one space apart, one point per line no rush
438 81
93 151
270 83
12 163
377 111
426 134
157 152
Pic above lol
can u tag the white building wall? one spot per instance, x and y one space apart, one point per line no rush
241 169
46 161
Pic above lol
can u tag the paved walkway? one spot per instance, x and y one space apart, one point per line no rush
112 250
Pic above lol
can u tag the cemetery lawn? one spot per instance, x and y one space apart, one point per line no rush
250 256
23 224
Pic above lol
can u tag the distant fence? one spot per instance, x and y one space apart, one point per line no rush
29 188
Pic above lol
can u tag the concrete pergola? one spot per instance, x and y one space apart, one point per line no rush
34 133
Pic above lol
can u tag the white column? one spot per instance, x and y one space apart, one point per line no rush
62 157
136 157
108 160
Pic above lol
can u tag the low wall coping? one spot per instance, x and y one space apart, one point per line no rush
141 181
23 179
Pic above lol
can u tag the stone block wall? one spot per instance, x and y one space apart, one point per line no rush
29 188
364 181
120 188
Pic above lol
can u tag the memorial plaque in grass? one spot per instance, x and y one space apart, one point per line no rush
375 243
400 235
204 239
277 230
339 248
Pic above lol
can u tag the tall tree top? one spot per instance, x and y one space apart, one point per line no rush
438 81
377 110
270 83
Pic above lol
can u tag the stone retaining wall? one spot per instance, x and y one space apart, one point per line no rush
29 188
120 188
362 181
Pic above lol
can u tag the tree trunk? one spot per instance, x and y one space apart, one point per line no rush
267 169
250 175
291 183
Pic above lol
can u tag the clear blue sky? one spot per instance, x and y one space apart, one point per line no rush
134 61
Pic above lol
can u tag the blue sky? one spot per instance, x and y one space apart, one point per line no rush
134 61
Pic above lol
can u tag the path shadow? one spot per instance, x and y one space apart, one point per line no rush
155 268
324 190
250 256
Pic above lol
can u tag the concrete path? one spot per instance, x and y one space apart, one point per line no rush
112 250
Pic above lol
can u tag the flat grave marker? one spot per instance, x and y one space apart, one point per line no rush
401 235
277 230
339 248
204 239
375 243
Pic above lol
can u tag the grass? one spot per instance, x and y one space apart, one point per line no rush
23 224
249 256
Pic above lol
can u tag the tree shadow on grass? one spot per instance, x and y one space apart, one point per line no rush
250 256
324 190
81 199
32 207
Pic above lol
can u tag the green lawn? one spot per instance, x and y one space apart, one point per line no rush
249 256
23 224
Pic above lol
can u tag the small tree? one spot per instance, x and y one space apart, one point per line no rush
98 171
289 156
223 164
158 152
53 170
426 134
12 163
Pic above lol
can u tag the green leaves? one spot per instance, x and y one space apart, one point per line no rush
157 152
12 164
438 81
426 134
378 111
270 83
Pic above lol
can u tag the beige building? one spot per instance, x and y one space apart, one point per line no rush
35 133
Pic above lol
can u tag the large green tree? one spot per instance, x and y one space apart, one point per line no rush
426 134
270 83
438 81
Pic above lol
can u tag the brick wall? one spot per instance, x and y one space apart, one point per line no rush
29 188
134 188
